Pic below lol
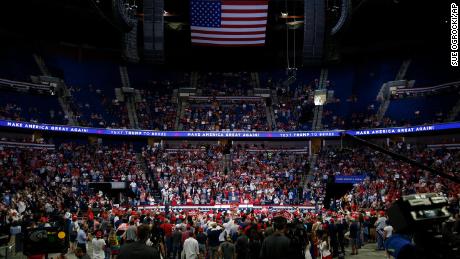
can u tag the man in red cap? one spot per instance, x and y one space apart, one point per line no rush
74 227
98 246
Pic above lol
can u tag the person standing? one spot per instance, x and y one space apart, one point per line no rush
341 229
354 232
138 249
242 245
332 229
227 249
98 246
276 246
176 242
157 238
213 240
74 227
308 247
380 225
114 242
387 233
387 230
167 230
82 238
191 248
130 234
201 238
325 248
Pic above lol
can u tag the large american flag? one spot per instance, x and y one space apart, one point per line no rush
228 23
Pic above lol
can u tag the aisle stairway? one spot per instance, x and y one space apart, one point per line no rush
318 110
41 65
183 104
454 113
156 193
129 96
270 118
384 93
63 94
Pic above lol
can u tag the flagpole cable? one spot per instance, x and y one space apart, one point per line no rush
287 36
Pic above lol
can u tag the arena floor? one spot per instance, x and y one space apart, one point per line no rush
367 252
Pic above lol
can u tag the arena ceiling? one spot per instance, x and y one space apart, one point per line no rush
377 27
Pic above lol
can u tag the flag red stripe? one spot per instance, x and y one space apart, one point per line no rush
229 39
243 2
244 18
229 45
244 11
228 32
245 26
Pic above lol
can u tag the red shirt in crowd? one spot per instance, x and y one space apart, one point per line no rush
167 228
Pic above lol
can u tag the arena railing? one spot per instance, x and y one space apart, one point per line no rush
7 124
226 98
422 90
26 145
24 86
220 207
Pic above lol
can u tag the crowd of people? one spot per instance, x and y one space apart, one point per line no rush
156 111
367 120
386 179
224 83
92 107
43 186
199 176
226 115
17 112
294 108
249 234
292 111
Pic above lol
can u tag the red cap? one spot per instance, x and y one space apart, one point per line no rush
99 234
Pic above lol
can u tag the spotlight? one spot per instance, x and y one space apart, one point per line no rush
284 15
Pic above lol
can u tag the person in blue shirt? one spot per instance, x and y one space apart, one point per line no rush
82 238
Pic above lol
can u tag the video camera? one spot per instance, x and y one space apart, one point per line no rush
422 228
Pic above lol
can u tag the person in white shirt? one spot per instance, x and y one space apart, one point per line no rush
307 248
191 248
324 248
21 207
388 231
98 246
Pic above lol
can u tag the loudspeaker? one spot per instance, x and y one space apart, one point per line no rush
314 31
154 31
